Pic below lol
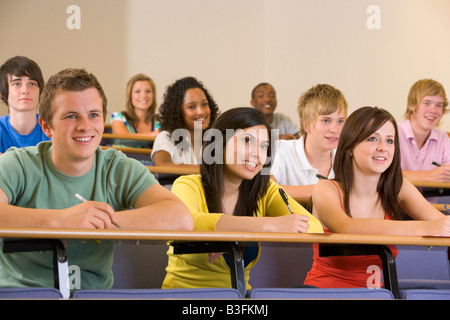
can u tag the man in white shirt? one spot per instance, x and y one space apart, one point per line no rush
322 111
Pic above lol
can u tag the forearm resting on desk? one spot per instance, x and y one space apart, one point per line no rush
158 209
164 215
295 223
439 174
85 215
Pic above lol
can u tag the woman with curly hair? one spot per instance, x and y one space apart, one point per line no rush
140 108
187 111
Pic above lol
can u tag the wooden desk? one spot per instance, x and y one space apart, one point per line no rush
432 189
130 136
428 184
174 170
130 150
214 241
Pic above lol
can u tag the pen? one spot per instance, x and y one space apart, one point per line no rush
321 177
448 210
436 164
79 197
285 199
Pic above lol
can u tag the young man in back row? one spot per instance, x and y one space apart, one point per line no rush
21 83
264 98
38 186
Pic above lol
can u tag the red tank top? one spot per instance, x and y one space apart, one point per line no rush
344 271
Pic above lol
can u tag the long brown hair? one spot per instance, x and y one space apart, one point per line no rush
358 127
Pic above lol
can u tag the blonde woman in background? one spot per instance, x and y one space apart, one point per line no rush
139 116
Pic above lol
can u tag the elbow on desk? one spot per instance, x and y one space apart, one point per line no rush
185 222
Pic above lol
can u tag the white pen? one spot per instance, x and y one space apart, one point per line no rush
79 197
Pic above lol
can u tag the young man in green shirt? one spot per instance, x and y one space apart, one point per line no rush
38 186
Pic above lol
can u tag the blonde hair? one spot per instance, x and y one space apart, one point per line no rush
421 89
129 113
321 99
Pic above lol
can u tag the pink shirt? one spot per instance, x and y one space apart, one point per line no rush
436 148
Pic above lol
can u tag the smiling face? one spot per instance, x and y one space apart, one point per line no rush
142 95
195 108
76 129
428 113
265 99
374 154
246 153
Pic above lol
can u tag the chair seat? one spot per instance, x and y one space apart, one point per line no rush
405 284
197 293
30 293
313 293
425 294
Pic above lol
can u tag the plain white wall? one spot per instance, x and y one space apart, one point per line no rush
37 29
219 42
233 45
328 41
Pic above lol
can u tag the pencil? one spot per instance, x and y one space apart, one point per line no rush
79 197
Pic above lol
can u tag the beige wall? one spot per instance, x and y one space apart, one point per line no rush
232 45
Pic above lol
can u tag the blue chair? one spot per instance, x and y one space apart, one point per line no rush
425 294
30 293
197 293
313 293
420 267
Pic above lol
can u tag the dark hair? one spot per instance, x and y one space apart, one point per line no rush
170 116
250 191
358 127
259 85
20 67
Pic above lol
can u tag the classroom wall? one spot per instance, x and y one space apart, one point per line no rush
373 50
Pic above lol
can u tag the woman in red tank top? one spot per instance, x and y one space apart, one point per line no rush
368 196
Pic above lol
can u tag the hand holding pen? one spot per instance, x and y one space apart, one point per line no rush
300 221
79 197
441 173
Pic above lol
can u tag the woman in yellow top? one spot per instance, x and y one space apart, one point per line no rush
233 193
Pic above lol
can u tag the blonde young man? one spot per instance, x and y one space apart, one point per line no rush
322 111
38 186
421 143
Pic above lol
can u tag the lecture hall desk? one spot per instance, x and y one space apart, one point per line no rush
196 242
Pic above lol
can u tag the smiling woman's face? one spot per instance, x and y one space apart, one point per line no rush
195 107
246 152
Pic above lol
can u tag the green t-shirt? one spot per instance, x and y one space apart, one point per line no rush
30 179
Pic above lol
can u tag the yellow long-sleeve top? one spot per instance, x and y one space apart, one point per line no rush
195 270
